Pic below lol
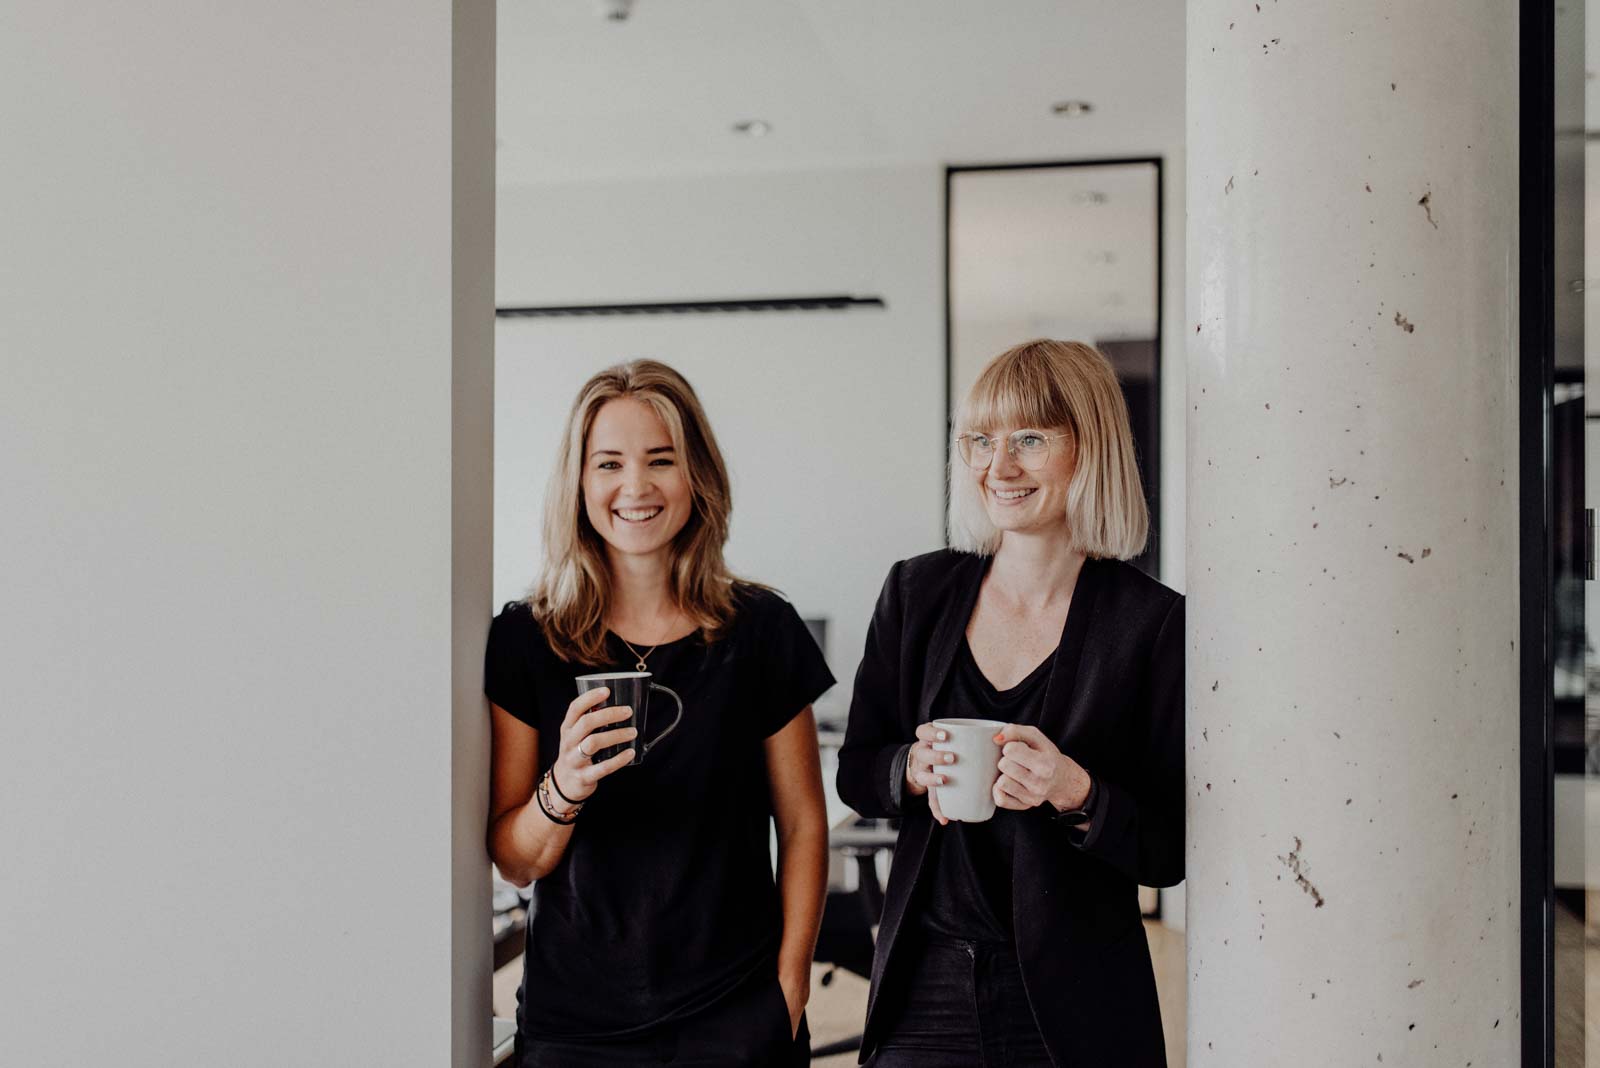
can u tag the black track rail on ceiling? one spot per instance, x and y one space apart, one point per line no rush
827 302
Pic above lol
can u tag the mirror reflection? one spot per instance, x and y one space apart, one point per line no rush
1067 251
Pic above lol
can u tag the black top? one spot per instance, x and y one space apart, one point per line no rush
1114 703
664 899
969 884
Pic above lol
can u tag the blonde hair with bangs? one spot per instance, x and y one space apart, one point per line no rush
1043 384
573 594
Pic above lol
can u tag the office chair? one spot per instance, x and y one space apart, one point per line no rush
849 917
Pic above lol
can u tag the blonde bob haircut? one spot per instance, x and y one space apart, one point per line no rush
573 593
1041 385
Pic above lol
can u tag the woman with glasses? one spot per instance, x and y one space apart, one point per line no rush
1018 940
658 933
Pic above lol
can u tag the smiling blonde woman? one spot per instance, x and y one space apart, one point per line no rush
658 932
1018 940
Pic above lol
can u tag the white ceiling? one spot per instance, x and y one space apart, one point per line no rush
843 83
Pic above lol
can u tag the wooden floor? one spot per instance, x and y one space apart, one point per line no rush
836 1010
1577 987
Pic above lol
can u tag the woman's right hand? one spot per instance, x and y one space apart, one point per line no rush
576 775
923 764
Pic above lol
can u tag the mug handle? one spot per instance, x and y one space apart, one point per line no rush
647 746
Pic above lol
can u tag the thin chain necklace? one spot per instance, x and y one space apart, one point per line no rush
640 665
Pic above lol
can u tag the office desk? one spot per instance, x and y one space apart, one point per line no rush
504 1042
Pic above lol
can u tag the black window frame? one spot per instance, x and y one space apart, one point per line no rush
1536 365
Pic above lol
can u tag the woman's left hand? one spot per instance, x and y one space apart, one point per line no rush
796 993
1033 771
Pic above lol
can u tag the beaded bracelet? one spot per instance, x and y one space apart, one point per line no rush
548 807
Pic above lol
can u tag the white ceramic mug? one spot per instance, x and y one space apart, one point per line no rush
968 791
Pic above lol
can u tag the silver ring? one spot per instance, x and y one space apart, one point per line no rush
583 747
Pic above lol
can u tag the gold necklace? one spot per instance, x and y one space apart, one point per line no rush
640 665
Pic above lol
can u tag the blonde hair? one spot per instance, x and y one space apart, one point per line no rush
1043 384
573 592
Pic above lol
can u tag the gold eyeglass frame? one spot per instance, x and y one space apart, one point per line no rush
964 441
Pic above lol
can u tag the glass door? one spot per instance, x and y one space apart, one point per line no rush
1574 430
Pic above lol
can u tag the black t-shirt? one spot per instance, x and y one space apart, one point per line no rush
665 898
969 894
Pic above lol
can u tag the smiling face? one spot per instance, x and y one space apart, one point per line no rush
635 489
1018 499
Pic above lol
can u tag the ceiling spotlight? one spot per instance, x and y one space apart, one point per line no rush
753 127
1072 108
1089 196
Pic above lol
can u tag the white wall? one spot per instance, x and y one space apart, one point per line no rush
832 422
245 431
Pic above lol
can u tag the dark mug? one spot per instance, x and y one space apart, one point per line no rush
631 689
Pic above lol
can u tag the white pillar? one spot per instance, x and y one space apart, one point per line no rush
246 312
1353 832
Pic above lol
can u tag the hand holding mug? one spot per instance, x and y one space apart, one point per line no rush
923 764
582 735
1033 771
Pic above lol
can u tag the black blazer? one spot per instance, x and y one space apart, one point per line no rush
1114 703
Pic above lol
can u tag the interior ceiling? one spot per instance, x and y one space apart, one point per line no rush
843 83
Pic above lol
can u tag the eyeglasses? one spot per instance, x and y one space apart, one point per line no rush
1030 448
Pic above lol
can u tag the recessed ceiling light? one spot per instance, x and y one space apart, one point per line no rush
753 127
1072 108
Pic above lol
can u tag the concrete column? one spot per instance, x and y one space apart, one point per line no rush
1353 846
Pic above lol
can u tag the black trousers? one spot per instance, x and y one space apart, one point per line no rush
959 1005
750 1026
